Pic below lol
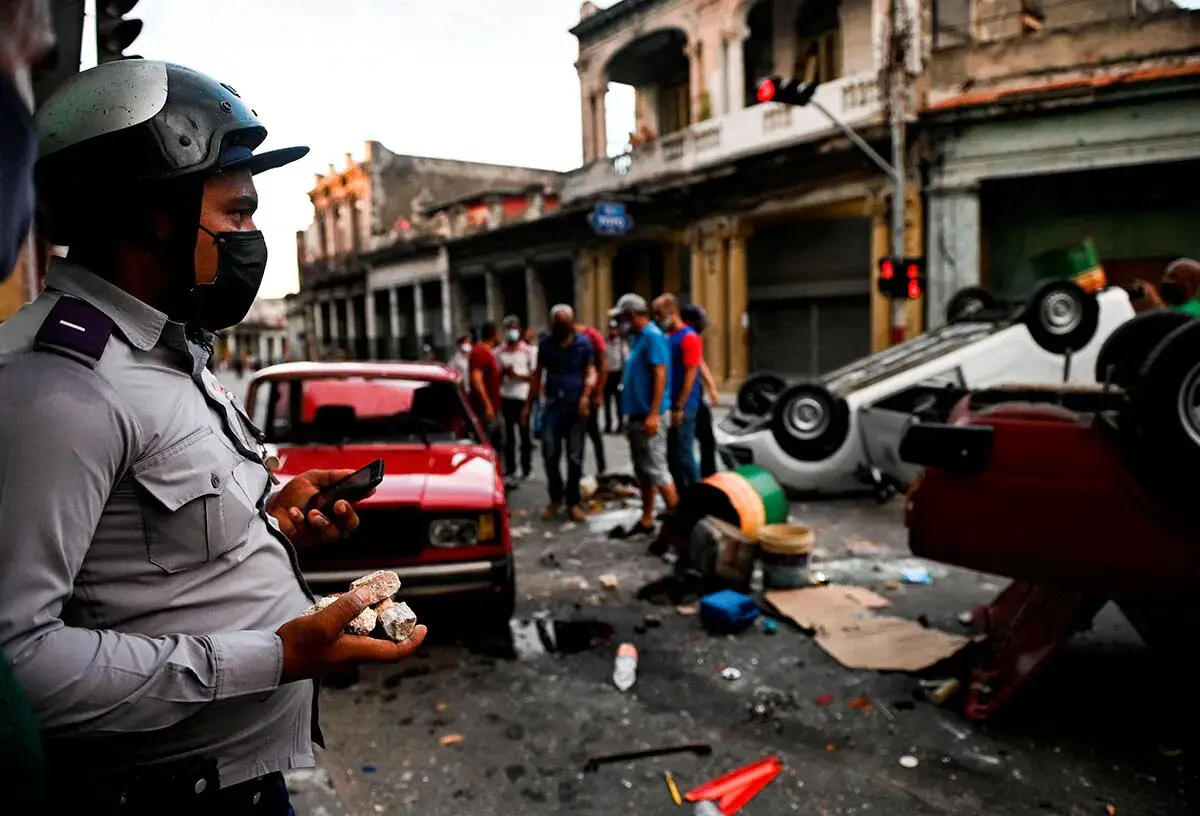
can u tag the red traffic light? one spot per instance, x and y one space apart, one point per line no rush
914 271
887 269
766 90
914 289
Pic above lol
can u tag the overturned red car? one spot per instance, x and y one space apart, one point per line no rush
440 519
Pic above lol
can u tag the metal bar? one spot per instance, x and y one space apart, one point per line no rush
858 141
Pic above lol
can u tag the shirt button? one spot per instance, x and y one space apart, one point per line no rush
216 480
257 797
201 785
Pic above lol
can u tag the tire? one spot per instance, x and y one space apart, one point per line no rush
1126 349
968 302
809 423
1061 317
499 607
1166 416
758 393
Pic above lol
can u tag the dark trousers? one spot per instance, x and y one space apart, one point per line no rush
266 796
593 432
495 433
708 443
612 403
681 452
512 430
561 427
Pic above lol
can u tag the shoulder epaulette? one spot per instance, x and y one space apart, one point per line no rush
75 328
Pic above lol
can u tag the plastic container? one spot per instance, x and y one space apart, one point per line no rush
625 667
727 611
735 491
723 554
775 503
784 550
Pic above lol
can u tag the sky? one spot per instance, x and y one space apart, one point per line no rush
480 80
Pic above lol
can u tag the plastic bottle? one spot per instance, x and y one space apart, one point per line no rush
625 667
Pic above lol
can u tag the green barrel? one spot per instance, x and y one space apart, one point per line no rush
774 500
1079 262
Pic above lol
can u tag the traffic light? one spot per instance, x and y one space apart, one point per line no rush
113 32
786 91
902 278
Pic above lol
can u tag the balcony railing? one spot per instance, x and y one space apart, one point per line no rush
853 99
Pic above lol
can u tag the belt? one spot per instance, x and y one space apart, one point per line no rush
188 788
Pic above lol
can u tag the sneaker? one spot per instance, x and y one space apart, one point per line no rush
577 514
549 512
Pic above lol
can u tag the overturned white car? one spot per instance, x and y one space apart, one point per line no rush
841 431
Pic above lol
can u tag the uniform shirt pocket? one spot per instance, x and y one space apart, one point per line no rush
191 513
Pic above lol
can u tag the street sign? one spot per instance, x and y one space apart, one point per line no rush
610 219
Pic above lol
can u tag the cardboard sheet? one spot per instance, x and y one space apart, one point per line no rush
825 607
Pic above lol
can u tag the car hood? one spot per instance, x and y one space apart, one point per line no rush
438 476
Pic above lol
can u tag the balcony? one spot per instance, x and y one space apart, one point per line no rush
756 129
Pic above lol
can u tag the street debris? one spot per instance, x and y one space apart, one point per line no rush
916 575
769 626
733 790
939 691
576 582
687 610
672 788
959 733
608 580
965 618
697 748
731 673
865 549
824 699
727 612
909 761
625 667
521 530
769 701
862 704
451 739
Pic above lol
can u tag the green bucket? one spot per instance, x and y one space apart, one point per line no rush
775 503
1079 262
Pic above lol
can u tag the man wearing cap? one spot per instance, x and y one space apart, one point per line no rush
518 361
644 403
153 606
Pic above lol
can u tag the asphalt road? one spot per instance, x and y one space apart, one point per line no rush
1082 740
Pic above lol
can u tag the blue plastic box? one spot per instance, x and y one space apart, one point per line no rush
727 611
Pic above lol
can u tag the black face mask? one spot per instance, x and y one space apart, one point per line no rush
18 152
241 262
1173 293
560 332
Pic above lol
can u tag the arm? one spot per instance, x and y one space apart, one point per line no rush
480 389
601 370
693 357
535 388
53 489
710 384
660 389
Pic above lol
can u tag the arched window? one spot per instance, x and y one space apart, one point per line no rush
818 41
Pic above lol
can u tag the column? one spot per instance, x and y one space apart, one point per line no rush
393 344
599 118
695 54
352 352
447 309
604 287
371 330
535 299
715 352
494 296
696 246
735 69
335 325
953 260
589 129
737 310
460 309
419 326
914 247
671 279
316 342
585 286
264 351
881 307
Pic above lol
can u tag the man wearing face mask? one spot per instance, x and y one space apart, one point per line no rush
518 361
153 605
1179 288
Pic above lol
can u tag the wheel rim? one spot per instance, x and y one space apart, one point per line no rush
1189 404
1061 313
806 418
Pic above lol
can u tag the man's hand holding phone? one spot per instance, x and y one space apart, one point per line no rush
304 519
314 645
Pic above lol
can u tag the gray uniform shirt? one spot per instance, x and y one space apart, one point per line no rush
141 579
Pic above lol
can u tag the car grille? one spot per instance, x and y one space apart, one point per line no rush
382 538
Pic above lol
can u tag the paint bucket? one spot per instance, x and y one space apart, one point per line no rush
784 550
722 554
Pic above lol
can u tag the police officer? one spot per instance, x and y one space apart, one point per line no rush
151 596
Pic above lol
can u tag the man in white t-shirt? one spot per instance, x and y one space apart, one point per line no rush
518 362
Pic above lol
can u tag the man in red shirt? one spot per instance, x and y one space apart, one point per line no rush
484 370
593 420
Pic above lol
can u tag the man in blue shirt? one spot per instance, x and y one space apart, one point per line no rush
687 355
565 359
644 403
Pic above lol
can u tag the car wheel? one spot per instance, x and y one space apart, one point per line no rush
968 302
1061 317
501 604
1127 348
809 423
1166 409
758 394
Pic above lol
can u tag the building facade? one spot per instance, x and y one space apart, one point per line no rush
1082 121
261 338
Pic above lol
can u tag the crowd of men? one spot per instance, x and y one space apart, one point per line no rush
647 377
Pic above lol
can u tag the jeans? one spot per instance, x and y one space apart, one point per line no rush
512 430
612 403
561 423
593 432
495 434
708 442
681 452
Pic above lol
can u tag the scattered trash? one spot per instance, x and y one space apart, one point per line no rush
697 748
440 707
521 530
862 704
576 582
567 527
727 611
652 621
721 553
588 486
916 575
625 667
1110 809
368 769
768 701
733 790
608 580
965 618
887 712
830 748
865 549
984 758
672 788
769 626
824 699
687 610
549 561
959 733
818 579
891 586
943 691
547 535
706 809
451 739
731 673
909 761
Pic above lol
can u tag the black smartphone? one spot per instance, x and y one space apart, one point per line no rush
353 488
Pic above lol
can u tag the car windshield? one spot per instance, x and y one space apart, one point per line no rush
358 410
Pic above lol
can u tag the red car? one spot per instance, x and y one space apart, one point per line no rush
440 519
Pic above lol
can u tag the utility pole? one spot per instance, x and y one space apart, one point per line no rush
896 84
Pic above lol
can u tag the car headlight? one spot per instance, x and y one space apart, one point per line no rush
454 532
487 527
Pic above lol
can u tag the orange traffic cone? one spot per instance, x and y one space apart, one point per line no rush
735 800
735 781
